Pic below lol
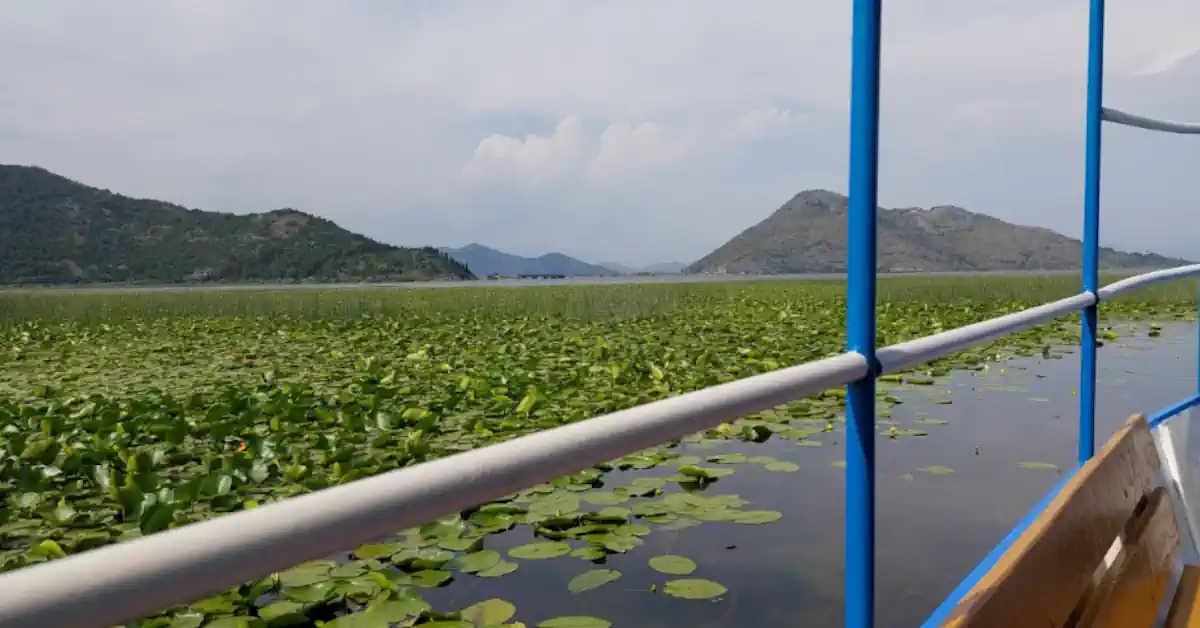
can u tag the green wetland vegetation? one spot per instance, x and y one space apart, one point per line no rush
127 414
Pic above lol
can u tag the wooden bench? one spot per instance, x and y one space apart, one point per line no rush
1068 568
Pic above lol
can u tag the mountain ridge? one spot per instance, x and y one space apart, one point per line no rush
57 230
807 234
487 261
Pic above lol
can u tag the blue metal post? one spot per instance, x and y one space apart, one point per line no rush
1091 232
860 320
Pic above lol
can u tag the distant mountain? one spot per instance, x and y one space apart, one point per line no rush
55 230
808 234
664 268
484 261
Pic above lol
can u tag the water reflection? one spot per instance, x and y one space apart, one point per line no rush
932 528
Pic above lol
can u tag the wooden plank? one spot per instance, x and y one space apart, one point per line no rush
1042 578
1185 608
1132 590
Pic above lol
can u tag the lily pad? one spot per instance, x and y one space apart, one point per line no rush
490 612
593 579
782 466
475 561
536 551
756 517
937 470
694 589
1036 465
672 564
431 578
502 568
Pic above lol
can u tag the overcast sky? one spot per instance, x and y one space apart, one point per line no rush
634 131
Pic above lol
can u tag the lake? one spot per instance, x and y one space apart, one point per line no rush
932 528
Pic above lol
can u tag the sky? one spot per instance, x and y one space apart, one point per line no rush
624 130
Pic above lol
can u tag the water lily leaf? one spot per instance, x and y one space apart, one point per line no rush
475 561
502 568
307 573
937 470
533 551
555 504
1036 465
782 466
431 578
756 516
589 580
680 524
672 564
734 458
489 612
694 589
590 552
604 498
461 544
279 612
575 621
926 421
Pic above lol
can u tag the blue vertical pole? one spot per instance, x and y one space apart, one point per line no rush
860 319
1091 232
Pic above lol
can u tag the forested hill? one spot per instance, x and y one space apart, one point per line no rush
55 230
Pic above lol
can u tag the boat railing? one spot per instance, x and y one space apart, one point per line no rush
122 582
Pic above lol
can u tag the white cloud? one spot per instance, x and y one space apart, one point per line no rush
692 118
637 149
534 160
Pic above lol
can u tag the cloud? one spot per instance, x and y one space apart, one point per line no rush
618 130
534 160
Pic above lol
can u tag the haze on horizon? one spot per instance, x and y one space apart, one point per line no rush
619 131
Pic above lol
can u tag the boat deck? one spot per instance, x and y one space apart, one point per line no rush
1108 550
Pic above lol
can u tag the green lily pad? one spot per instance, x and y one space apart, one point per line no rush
605 499
1036 465
756 517
502 568
672 564
431 578
694 589
535 551
593 579
489 612
782 466
937 470
475 561
728 458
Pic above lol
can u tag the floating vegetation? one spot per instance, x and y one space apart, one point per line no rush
694 589
592 580
125 415
674 565
1036 465
937 470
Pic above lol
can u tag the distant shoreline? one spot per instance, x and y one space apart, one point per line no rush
572 281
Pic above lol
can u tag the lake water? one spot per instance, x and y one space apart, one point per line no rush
932 529
517 283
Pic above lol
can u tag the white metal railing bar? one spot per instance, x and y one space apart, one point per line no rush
1145 279
905 355
1150 124
129 580
125 581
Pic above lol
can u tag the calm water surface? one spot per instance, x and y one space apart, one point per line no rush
932 529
